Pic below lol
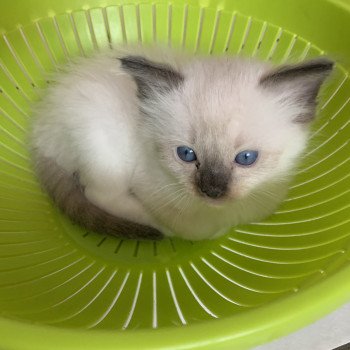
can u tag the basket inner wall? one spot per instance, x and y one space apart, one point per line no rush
56 273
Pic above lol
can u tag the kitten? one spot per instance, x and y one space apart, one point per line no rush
141 143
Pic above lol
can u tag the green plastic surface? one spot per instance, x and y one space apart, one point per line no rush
64 288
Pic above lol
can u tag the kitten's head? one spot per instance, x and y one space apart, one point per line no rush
223 126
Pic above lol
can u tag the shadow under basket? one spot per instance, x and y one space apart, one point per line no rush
64 288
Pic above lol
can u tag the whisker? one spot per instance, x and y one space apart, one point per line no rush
165 196
183 210
163 188
167 204
176 218
175 195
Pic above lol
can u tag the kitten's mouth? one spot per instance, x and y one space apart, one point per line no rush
211 201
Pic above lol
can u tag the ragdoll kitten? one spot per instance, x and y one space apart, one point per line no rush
141 144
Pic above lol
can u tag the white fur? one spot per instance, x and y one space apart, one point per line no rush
89 122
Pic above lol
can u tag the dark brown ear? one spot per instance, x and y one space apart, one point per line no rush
299 84
150 76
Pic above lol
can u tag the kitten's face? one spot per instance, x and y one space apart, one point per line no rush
225 127
240 141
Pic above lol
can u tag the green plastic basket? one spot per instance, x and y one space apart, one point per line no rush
64 288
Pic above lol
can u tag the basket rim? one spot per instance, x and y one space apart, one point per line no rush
230 331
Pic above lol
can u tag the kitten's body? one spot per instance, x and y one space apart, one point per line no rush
115 123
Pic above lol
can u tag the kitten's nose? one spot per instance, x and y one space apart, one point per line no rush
213 192
213 181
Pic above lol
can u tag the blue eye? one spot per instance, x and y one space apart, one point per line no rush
186 154
247 157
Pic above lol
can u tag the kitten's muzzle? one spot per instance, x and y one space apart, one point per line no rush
213 182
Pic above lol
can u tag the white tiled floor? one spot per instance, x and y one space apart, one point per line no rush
325 334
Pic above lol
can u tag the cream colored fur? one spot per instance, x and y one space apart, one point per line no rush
90 123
